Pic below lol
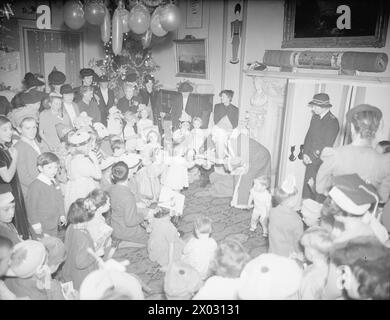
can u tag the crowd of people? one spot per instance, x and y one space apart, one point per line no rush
86 171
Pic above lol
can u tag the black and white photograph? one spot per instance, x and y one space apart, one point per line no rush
194 154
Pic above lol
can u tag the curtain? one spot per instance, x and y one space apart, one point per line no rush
41 41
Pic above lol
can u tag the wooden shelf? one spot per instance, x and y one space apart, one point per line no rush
318 76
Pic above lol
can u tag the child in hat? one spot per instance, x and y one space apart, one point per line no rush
200 250
5 258
230 259
29 275
83 168
79 263
285 226
317 243
164 245
260 196
270 277
347 209
44 200
181 281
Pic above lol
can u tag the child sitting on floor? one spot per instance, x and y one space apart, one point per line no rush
260 196
230 259
285 226
79 263
200 250
198 135
44 201
98 202
164 245
317 243
29 275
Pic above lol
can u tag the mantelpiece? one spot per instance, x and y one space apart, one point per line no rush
318 76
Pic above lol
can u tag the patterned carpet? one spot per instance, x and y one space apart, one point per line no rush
227 222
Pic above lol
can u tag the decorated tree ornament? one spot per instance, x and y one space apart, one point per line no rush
105 28
147 39
74 15
170 17
117 33
94 12
139 19
155 24
124 17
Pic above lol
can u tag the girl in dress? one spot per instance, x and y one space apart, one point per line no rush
129 133
52 114
165 245
8 175
144 123
79 263
98 201
83 168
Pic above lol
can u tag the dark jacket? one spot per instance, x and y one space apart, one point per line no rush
103 106
231 111
126 105
322 133
5 106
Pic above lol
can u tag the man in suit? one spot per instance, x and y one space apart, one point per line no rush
323 130
70 107
106 98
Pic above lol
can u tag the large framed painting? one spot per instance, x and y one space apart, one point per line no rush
335 23
191 58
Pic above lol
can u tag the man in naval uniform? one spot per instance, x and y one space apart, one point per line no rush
323 130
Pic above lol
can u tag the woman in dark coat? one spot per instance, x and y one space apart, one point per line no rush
8 175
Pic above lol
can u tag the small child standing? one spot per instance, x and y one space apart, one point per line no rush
285 226
144 124
260 196
317 243
200 251
164 245
44 201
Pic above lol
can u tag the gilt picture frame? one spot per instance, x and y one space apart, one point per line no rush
191 58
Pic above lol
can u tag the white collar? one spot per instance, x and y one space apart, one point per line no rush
324 114
44 179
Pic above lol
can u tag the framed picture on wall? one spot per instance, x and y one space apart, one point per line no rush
335 23
191 58
194 14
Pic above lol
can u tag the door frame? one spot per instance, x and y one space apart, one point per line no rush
23 26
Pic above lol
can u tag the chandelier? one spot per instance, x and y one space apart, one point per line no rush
143 17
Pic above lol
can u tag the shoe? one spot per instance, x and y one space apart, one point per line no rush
265 235
252 229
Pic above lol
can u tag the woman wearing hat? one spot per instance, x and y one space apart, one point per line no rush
323 130
9 176
56 80
87 76
70 107
359 156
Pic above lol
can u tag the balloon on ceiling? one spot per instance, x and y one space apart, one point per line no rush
139 21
